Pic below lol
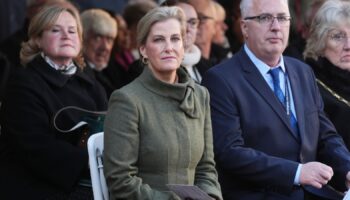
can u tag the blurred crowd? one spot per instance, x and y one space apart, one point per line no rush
62 58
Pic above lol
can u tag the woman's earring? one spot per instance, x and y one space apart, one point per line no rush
144 60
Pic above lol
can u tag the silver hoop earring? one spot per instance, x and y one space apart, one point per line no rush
144 60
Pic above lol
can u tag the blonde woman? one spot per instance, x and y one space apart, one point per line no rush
328 53
158 128
37 160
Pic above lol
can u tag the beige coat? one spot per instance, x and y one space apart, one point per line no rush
157 134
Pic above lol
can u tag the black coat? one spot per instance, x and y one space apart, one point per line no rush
338 81
120 76
37 161
102 78
4 73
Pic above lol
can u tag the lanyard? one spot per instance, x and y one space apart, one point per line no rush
287 94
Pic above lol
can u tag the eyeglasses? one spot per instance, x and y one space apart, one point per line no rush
267 19
193 22
338 36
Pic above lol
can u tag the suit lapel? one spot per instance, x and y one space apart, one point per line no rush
254 77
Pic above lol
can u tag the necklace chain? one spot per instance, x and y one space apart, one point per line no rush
340 98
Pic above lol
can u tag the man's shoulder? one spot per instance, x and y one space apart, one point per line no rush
294 61
297 65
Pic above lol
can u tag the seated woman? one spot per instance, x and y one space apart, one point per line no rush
328 52
158 128
37 160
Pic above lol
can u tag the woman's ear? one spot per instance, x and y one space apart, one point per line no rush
142 50
37 42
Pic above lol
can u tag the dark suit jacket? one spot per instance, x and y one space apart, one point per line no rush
37 160
256 153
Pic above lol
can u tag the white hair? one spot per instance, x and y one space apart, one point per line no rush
246 6
98 21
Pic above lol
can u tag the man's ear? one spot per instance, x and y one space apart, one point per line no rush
244 28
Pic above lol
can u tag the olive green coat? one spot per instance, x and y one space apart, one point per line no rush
157 134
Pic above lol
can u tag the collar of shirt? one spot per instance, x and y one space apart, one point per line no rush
264 71
262 67
93 66
71 66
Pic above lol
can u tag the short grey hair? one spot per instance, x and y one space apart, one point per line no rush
332 13
159 14
246 6
99 22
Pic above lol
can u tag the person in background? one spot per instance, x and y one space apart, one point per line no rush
233 21
121 50
158 128
221 27
313 7
132 14
220 49
38 160
206 29
121 58
328 53
99 33
272 139
122 75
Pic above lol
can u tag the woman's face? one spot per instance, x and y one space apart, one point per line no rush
123 39
164 48
337 49
61 42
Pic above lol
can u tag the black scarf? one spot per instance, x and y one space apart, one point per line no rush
335 78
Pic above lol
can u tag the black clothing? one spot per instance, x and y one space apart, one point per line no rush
4 73
203 66
295 46
338 80
12 45
102 78
38 161
119 76
218 54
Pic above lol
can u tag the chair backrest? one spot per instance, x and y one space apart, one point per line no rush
95 149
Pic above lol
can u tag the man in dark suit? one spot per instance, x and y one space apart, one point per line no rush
272 139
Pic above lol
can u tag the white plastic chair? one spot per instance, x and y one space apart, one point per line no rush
95 149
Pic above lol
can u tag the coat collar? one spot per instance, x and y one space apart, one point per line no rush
183 92
53 76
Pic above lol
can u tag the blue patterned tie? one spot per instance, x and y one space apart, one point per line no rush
278 92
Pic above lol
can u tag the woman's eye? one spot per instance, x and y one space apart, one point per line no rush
158 39
338 36
175 39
